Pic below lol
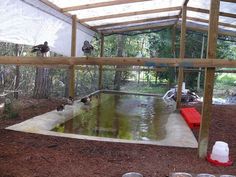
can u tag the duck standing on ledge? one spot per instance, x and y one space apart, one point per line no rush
86 100
61 107
87 48
42 48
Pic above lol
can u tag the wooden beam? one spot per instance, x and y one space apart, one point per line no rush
202 29
207 12
127 14
209 80
138 28
181 56
207 21
128 61
232 1
100 4
181 10
136 21
73 54
100 84
55 7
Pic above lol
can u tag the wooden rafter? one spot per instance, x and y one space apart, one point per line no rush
55 7
207 12
138 28
127 14
207 21
136 21
180 13
232 1
100 4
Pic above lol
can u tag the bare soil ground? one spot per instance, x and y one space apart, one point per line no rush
32 155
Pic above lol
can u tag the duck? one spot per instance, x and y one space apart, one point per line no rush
61 107
87 48
86 100
70 100
42 48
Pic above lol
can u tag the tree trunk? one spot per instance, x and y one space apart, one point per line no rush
120 49
17 81
42 86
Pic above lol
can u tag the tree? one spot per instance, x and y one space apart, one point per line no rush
120 50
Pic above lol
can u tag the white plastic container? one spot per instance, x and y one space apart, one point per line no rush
181 174
220 152
132 174
205 175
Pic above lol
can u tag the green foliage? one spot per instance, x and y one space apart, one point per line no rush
227 79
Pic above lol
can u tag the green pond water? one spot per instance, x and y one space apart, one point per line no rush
132 117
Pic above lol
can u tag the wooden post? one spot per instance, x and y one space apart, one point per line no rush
73 54
209 80
181 56
100 85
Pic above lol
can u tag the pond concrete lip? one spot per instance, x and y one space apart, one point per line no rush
178 134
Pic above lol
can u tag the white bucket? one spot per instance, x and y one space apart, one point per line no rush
220 152
132 174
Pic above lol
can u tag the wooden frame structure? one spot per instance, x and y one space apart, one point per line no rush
209 64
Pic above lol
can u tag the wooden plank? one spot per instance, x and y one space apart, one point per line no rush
136 21
55 7
231 1
100 84
73 54
100 4
201 29
181 56
138 28
207 21
209 80
127 14
225 14
180 13
129 61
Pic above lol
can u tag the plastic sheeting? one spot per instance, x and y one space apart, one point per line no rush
31 22
146 5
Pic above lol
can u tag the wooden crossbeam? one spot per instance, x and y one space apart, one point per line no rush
149 62
207 12
127 14
138 28
207 21
136 21
55 7
232 1
100 4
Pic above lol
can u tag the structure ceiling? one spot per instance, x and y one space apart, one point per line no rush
122 15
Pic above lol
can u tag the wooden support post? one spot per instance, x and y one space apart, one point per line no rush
209 80
73 54
100 85
181 56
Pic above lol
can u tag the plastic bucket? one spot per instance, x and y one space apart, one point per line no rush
220 152
227 176
132 174
181 174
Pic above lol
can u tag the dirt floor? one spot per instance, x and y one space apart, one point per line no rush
32 155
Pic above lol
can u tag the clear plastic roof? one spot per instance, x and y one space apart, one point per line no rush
126 11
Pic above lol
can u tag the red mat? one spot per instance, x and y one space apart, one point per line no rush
191 116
